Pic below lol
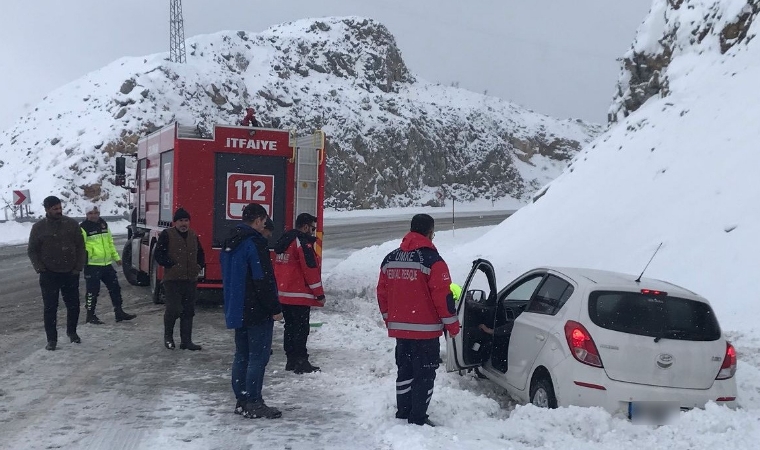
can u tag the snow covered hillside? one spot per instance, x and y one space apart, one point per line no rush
393 139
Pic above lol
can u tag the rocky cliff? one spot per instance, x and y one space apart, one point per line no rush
393 139
677 28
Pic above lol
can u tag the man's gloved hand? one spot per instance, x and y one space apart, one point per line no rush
321 299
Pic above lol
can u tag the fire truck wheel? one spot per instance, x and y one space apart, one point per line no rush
132 275
156 287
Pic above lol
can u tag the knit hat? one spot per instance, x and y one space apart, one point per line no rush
422 224
181 214
92 207
51 201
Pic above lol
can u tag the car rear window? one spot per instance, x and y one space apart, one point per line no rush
655 316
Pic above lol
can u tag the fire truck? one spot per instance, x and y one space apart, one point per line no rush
214 176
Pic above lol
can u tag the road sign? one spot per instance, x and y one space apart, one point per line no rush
21 197
245 188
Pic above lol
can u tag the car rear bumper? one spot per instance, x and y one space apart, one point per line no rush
582 385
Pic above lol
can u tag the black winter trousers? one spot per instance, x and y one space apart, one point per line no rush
67 285
417 361
296 330
180 302
93 276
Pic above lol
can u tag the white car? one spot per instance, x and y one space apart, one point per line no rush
570 336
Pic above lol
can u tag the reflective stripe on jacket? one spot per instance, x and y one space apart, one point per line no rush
98 242
298 270
413 291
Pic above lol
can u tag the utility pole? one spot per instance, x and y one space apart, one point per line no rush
176 32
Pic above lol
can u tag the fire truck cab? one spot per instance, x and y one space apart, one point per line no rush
214 178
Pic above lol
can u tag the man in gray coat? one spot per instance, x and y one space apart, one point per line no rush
56 249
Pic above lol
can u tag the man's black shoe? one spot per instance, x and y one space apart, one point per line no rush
425 422
304 366
256 410
93 319
121 315
75 338
51 345
169 343
291 364
189 346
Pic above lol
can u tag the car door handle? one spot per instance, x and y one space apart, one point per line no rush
540 337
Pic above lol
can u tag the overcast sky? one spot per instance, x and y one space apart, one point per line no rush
557 57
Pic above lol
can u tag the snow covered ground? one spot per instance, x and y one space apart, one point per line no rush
121 390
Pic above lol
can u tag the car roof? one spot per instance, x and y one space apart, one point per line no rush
616 280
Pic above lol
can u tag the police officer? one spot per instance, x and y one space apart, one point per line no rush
101 252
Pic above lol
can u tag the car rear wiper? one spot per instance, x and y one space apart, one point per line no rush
670 334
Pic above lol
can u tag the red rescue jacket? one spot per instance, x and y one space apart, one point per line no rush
413 291
298 270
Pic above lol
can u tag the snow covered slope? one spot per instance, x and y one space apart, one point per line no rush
394 139
681 170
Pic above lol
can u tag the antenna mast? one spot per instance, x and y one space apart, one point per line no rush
176 32
638 280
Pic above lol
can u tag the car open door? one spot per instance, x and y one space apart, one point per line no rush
477 305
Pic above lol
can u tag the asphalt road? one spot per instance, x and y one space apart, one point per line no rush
21 304
121 389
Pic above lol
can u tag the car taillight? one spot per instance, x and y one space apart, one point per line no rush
581 345
728 369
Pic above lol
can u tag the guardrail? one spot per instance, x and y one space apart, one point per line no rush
78 219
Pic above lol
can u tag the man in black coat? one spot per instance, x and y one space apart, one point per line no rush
56 249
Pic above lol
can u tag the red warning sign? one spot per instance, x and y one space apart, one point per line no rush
245 188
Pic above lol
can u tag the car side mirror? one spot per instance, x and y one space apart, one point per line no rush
475 296
136 232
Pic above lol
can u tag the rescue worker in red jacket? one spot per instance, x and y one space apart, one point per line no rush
299 282
417 305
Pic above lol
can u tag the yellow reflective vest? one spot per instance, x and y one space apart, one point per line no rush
98 241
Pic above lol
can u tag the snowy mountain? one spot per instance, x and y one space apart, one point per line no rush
393 139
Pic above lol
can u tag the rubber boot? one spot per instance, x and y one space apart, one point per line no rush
169 334
186 334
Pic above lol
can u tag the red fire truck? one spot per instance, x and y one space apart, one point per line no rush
213 178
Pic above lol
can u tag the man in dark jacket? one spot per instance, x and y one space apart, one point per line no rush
101 252
250 308
179 251
299 281
56 249
415 299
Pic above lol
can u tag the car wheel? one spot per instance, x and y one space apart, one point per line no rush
542 393
132 275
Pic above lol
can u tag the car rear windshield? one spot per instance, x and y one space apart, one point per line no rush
656 316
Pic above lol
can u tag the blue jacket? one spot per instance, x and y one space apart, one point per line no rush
250 289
